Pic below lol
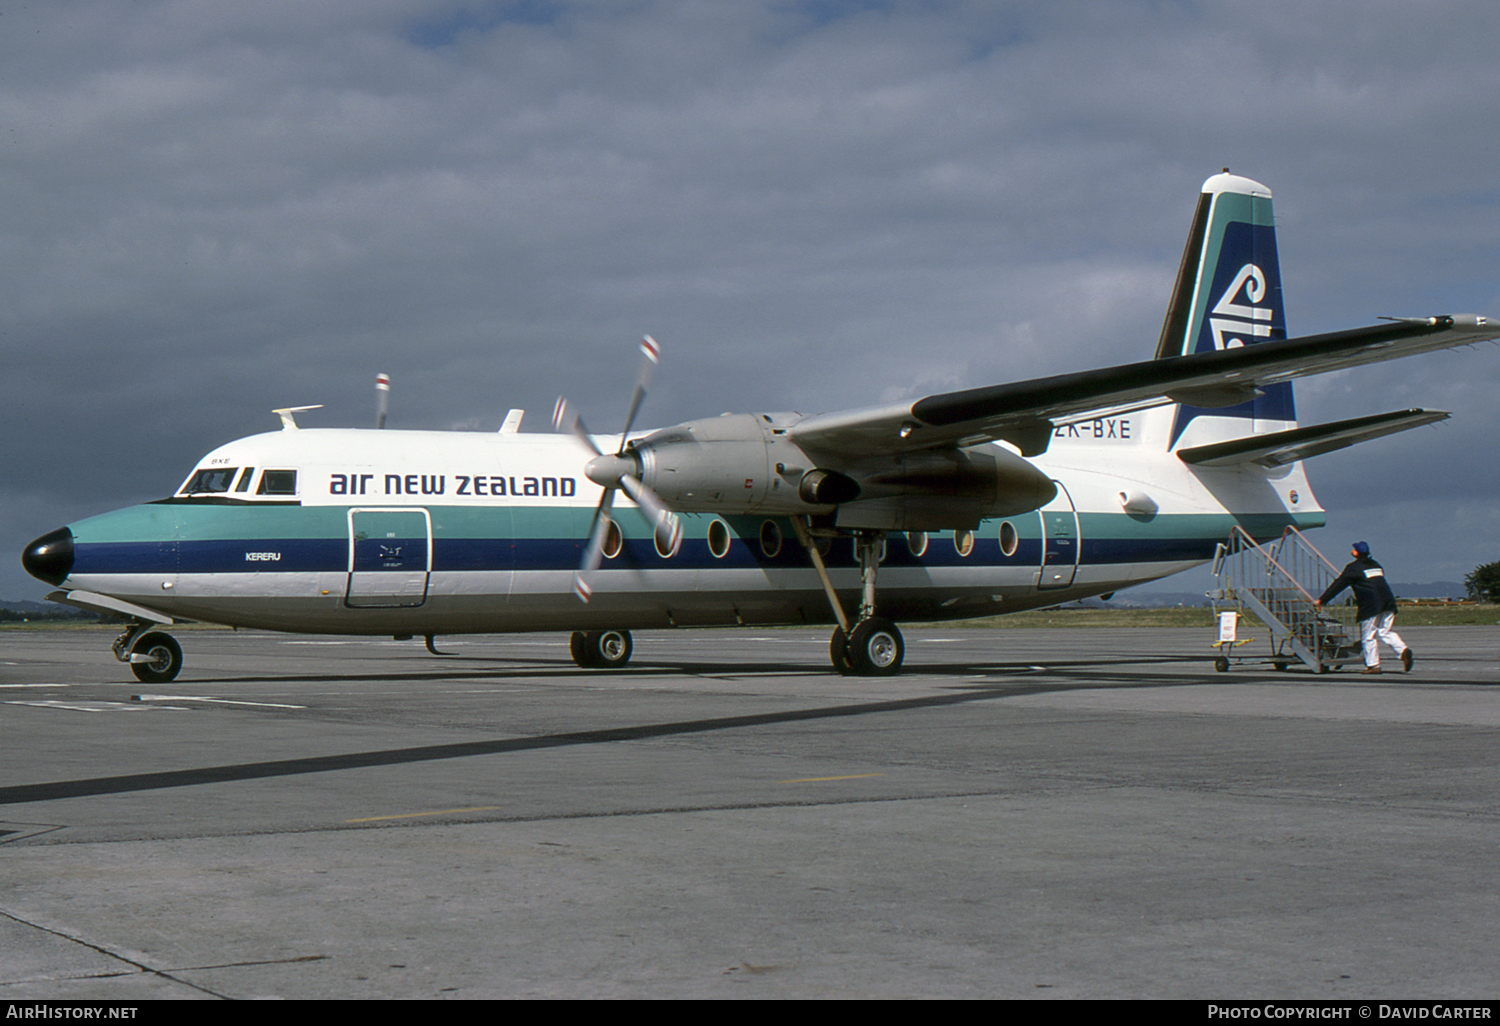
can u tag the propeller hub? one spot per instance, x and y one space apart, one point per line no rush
607 470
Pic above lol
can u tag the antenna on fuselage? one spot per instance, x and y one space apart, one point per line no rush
288 423
382 398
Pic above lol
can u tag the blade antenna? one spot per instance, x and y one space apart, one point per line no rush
382 398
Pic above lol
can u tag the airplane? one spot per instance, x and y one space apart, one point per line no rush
959 505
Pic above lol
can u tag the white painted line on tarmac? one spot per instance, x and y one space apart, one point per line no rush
205 698
97 707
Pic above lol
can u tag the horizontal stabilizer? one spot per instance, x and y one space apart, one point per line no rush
1282 447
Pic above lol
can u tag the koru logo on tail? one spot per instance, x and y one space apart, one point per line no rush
1231 319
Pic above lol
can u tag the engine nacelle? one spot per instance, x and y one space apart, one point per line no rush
747 463
944 489
739 463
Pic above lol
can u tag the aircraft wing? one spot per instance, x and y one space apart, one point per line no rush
1024 413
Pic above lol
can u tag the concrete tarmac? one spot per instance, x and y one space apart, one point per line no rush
1020 814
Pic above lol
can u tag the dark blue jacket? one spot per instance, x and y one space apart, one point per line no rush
1372 595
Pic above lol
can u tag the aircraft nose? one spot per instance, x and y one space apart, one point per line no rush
50 557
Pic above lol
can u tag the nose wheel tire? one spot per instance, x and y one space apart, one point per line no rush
600 650
163 658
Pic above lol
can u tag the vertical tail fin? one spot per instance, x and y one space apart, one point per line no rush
1228 294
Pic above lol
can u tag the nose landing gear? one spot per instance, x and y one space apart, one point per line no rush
154 656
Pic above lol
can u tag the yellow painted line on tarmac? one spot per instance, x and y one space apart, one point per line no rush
821 780
416 815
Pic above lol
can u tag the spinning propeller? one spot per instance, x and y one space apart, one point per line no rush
621 471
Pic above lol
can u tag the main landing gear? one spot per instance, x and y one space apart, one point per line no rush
154 656
600 650
873 649
873 646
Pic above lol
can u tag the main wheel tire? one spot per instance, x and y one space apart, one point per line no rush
165 658
601 650
876 648
838 652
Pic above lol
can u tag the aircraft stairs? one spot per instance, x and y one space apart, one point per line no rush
1279 584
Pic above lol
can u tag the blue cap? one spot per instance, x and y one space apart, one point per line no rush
1362 548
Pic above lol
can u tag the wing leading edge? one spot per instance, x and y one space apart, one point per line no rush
1024 413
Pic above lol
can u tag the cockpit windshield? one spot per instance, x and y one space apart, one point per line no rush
278 482
209 479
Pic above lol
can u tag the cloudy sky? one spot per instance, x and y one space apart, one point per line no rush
210 209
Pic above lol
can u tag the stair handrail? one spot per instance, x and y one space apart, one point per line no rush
1327 572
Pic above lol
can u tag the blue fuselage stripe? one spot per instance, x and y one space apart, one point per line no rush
323 555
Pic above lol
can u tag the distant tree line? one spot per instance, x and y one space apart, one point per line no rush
1484 583
35 615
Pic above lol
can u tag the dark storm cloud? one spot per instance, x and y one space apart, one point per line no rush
214 209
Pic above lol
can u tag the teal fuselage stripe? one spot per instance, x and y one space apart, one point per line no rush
200 539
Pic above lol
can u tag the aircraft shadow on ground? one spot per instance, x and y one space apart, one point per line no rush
564 669
967 692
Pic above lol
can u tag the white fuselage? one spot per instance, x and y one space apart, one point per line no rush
419 532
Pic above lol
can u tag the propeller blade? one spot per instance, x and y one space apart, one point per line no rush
650 357
581 587
593 555
663 520
617 472
564 419
382 398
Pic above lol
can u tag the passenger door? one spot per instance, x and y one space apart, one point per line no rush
1059 541
390 555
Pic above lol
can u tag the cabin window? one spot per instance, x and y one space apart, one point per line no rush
667 541
916 543
718 539
278 482
613 541
963 542
1009 539
209 479
770 539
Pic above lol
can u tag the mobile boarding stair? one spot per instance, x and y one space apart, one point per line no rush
1279 584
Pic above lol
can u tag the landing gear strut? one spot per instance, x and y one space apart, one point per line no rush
873 646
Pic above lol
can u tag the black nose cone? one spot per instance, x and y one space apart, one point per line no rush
50 557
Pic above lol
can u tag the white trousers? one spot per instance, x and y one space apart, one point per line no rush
1378 628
